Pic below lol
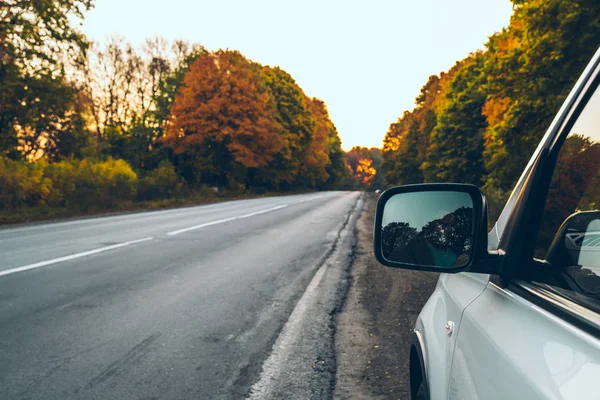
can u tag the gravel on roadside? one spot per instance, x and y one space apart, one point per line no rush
373 329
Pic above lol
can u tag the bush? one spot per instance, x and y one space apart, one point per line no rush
117 179
69 183
160 183
104 184
63 176
23 184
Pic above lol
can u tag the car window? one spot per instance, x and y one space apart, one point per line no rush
569 237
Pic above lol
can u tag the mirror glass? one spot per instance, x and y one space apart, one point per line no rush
433 228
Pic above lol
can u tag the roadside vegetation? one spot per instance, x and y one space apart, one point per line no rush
480 121
87 128
72 187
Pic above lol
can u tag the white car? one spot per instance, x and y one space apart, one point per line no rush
516 311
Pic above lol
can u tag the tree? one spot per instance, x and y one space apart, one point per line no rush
405 146
455 152
532 66
364 164
53 124
482 120
401 151
36 43
116 83
337 170
315 158
222 120
130 93
396 235
295 117
183 55
40 29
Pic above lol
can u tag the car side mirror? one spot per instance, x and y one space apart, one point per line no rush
431 227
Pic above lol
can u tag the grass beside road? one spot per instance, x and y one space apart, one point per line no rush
32 214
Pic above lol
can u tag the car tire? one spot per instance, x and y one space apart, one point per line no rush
422 392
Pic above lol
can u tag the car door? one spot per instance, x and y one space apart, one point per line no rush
534 333
445 306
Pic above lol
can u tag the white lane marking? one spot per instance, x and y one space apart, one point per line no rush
310 199
132 217
220 221
72 256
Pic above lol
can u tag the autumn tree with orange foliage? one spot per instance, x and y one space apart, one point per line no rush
364 164
240 125
222 127
313 168
365 170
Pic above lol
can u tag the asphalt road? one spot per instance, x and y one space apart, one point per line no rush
178 304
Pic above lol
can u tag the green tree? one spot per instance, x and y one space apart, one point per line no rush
483 118
297 126
337 170
314 157
532 65
405 146
401 151
36 43
455 152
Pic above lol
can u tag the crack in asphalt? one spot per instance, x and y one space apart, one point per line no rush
130 357
342 297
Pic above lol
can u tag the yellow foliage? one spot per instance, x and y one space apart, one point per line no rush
494 110
67 183
365 171
23 183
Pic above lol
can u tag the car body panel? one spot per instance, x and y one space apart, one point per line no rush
452 295
508 348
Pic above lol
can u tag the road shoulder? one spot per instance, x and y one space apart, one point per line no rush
302 362
374 327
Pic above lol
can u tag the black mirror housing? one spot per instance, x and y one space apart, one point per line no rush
453 222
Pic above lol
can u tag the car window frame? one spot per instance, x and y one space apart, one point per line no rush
520 219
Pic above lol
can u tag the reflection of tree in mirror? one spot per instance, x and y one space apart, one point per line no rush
453 231
445 241
396 235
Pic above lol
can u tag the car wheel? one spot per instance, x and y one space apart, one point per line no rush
422 392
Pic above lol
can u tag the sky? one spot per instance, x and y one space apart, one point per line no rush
418 209
367 60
